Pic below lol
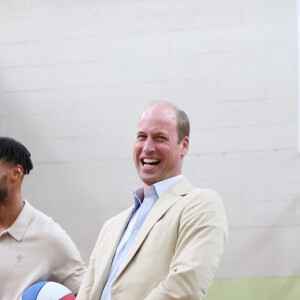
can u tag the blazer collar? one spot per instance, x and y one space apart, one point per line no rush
163 204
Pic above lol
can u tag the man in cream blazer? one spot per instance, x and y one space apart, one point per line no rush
168 245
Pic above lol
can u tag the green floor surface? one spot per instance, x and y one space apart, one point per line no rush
276 288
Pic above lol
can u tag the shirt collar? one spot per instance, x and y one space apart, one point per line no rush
18 228
157 188
162 186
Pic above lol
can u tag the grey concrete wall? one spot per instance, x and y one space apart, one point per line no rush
75 76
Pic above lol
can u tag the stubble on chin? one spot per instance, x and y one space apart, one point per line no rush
3 189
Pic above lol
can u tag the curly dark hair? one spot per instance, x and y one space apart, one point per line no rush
15 153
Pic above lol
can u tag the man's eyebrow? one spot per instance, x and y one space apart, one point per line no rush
140 132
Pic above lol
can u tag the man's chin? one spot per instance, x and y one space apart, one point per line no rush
148 180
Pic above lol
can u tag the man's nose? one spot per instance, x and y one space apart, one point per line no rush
149 145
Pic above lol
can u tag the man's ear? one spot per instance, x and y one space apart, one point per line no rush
17 172
185 146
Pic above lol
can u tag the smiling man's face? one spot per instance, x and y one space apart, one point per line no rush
157 154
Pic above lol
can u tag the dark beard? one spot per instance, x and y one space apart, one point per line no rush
3 189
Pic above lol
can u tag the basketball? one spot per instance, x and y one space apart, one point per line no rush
47 290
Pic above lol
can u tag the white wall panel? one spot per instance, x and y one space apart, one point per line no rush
76 75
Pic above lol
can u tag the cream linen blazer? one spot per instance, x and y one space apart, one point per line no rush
174 255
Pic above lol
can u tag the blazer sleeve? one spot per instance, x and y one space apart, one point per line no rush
88 279
201 236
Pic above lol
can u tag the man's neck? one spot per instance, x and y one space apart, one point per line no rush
10 208
172 179
145 189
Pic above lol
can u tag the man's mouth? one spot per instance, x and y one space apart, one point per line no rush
150 162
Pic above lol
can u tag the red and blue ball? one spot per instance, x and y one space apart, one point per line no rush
47 290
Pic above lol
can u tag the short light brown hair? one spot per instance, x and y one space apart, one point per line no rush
183 123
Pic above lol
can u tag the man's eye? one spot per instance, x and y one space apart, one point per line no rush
160 137
141 136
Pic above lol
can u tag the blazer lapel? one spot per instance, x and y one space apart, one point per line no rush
163 204
108 246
